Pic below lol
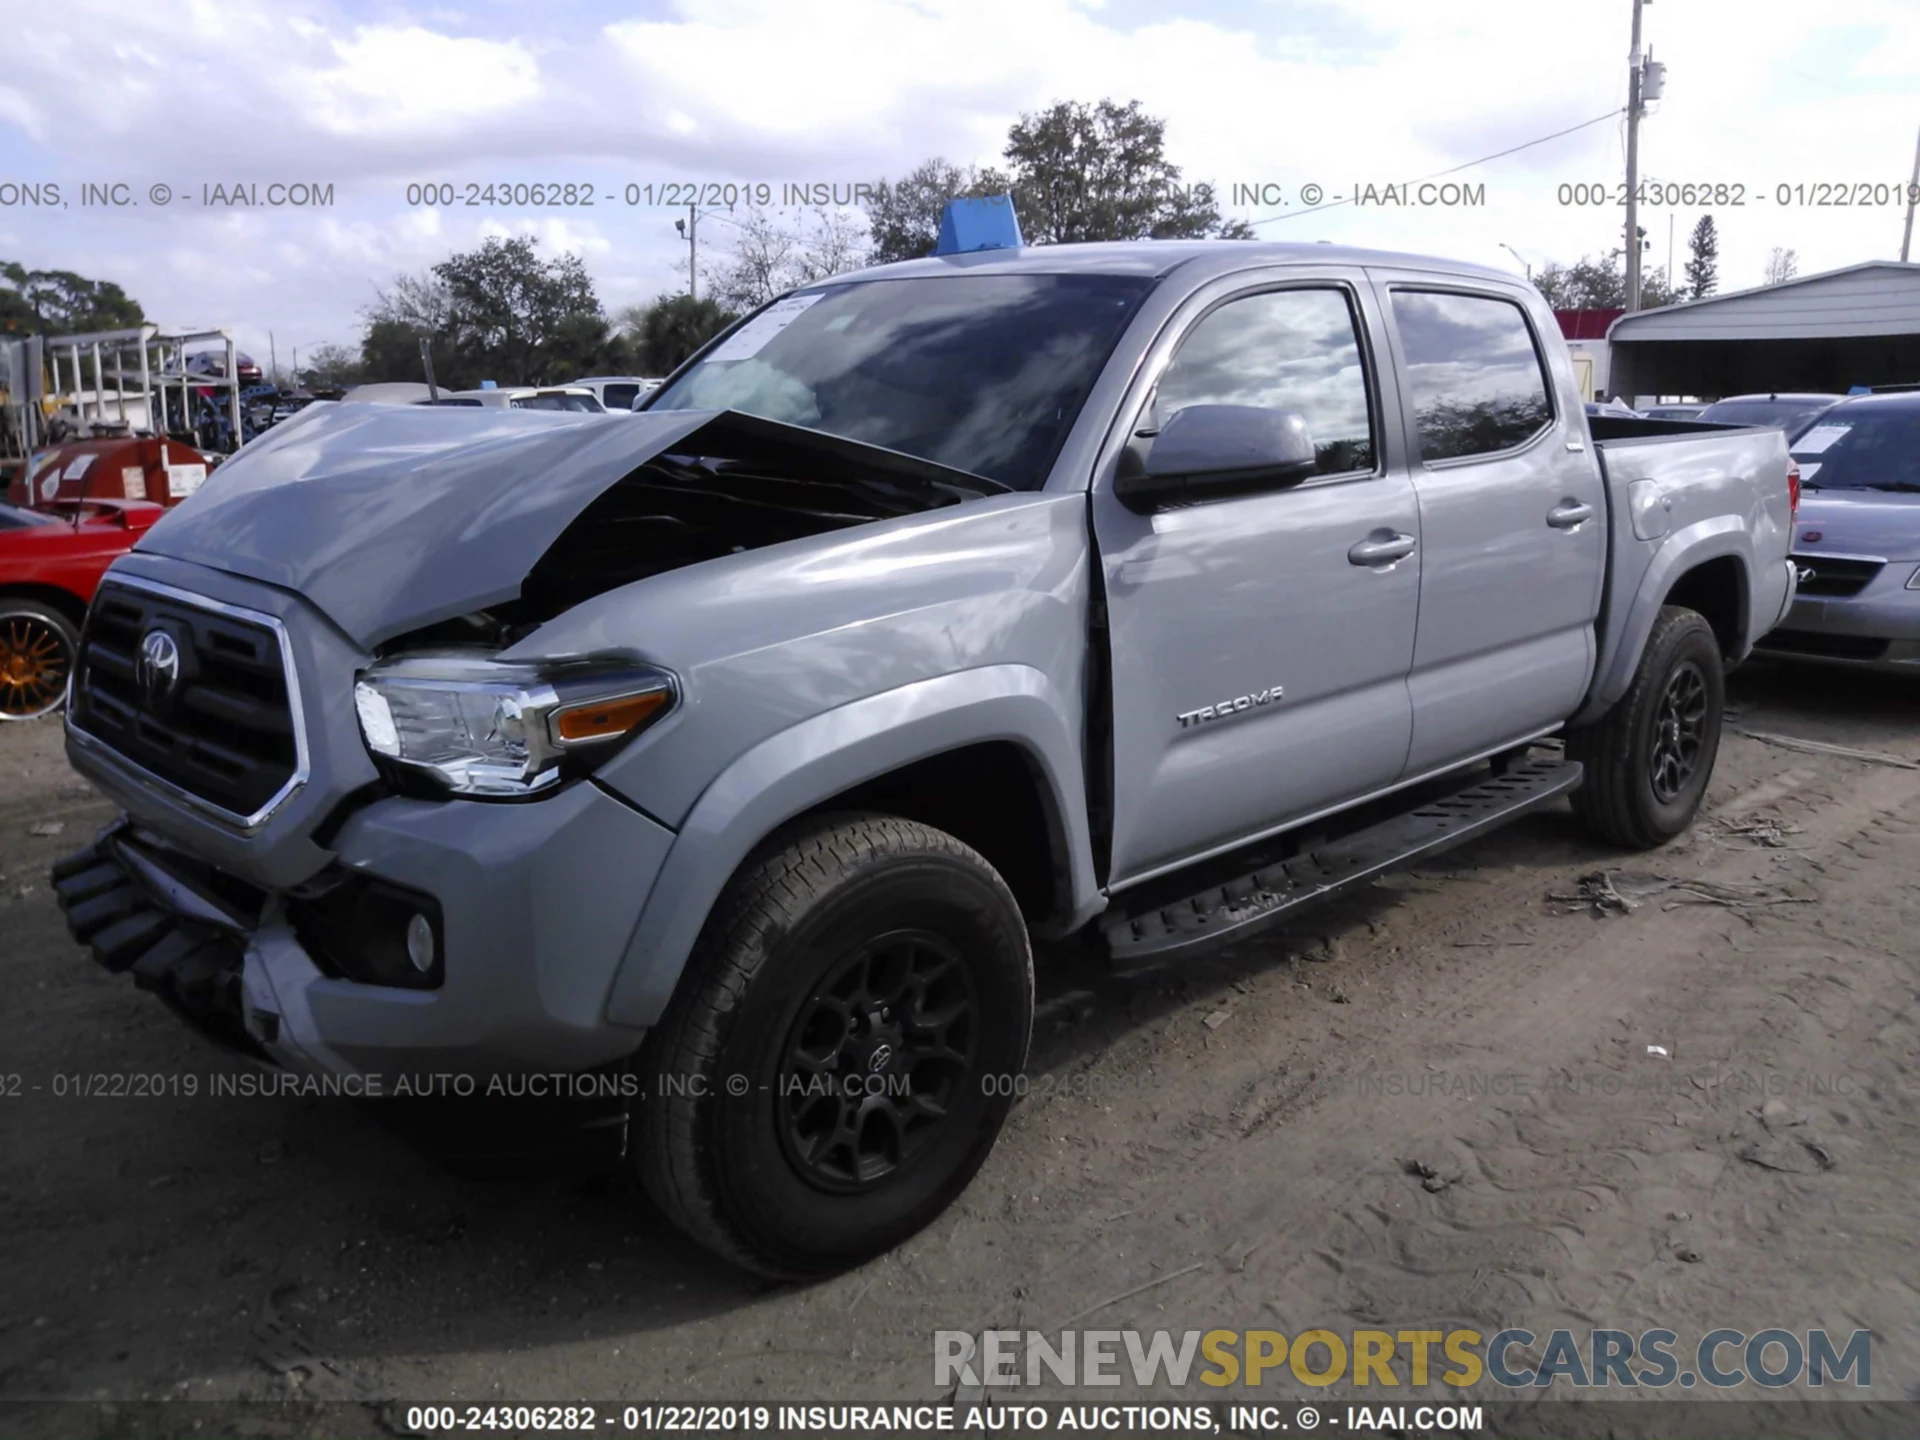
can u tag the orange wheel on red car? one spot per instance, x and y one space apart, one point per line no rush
37 646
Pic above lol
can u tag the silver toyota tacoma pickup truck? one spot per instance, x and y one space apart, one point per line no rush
1134 593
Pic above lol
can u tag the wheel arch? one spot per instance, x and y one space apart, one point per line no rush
1704 567
1004 729
66 602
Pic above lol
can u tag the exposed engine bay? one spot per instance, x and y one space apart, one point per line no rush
738 483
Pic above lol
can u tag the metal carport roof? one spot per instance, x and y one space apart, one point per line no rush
1856 326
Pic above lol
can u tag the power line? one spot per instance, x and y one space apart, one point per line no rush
1453 170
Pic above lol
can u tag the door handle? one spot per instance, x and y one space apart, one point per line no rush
1383 547
1569 513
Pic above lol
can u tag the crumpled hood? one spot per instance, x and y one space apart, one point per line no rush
390 517
1859 522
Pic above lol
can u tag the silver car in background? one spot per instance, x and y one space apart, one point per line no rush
1782 410
1856 541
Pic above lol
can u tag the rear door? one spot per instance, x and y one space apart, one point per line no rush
1513 527
1259 648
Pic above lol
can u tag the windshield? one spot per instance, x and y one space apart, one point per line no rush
1862 449
983 373
1784 412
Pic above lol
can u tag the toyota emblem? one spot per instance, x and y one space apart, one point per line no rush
158 670
877 1061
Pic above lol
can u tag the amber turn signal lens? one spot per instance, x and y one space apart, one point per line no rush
607 718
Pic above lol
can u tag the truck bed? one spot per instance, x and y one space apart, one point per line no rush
1669 484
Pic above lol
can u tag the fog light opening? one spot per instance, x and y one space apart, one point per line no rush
420 943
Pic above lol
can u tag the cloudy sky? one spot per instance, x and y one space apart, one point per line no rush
369 97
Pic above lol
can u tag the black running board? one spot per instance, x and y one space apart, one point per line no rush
1244 906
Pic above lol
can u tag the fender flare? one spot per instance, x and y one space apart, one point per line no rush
796 769
1711 539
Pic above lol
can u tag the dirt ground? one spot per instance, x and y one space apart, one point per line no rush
1432 1105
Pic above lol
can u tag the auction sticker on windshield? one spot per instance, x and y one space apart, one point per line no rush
750 339
1819 438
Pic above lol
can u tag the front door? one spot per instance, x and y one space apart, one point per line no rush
1261 641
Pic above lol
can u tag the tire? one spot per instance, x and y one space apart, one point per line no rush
1649 758
37 648
761 1137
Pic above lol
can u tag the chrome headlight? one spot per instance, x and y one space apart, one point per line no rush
489 728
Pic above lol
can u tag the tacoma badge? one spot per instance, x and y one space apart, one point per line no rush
1230 707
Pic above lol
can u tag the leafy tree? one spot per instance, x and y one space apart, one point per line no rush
1075 171
1600 284
1782 265
413 308
518 320
904 217
663 334
331 365
1100 172
59 302
1703 263
390 350
496 313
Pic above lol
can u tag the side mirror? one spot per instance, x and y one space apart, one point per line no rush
1206 448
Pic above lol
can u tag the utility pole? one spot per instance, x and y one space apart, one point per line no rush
1634 59
273 359
690 227
426 363
1913 189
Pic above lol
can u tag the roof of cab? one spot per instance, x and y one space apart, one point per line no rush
1156 259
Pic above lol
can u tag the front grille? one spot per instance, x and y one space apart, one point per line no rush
1835 577
1833 647
223 730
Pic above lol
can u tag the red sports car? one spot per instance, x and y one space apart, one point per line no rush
50 561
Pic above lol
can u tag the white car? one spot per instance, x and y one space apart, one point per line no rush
617 392
525 397
388 392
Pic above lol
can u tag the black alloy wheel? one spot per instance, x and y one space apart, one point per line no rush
875 1060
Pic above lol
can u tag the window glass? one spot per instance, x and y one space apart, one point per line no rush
619 397
985 373
1863 447
1476 378
1281 350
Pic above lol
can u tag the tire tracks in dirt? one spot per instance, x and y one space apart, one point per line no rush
1552 1206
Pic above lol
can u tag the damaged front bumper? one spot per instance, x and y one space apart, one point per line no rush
533 905
242 984
183 945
